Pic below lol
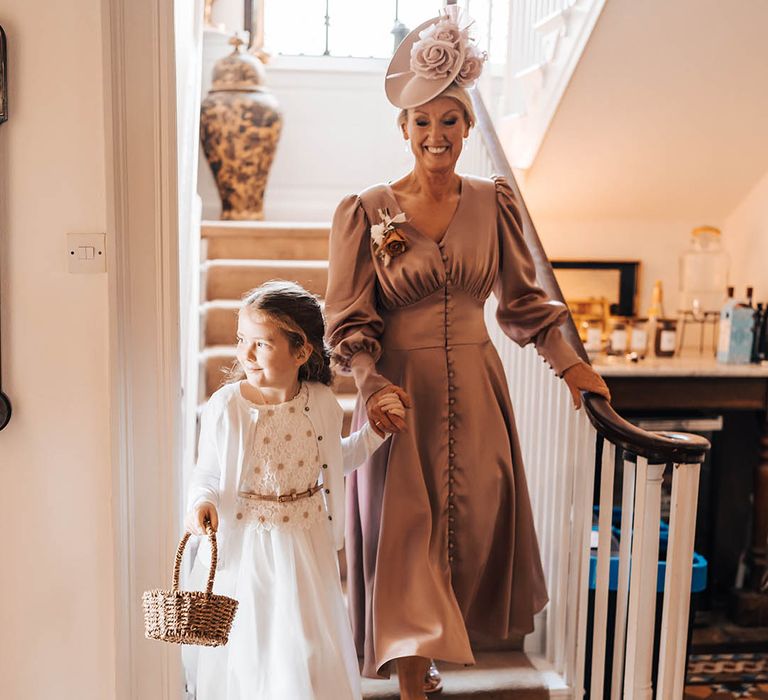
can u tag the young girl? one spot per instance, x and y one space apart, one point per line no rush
269 479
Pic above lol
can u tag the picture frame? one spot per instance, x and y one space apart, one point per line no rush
616 280
3 78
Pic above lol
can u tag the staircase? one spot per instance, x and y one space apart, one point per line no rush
239 255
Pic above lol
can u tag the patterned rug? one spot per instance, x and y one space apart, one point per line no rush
726 676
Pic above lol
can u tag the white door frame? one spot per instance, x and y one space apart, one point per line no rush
141 171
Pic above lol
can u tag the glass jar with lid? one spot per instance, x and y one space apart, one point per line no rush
638 336
618 337
703 272
592 332
665 342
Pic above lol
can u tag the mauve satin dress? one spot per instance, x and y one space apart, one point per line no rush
440 538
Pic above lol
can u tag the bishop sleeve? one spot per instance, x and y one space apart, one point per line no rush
354 324
525 313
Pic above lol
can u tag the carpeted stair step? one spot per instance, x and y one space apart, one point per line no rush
218 321
497 676
230 279
265 240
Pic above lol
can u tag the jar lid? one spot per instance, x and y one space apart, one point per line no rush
705 229
238 71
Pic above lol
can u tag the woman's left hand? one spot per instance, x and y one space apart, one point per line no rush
581 377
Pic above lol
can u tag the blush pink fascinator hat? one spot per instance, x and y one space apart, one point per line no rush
435 55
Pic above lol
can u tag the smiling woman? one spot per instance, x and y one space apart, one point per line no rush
448 501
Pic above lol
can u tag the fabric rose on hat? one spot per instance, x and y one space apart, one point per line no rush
434 58
444 30
472 67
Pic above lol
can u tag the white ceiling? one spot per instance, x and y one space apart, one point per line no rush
666 115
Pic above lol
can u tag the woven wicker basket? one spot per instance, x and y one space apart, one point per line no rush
189 617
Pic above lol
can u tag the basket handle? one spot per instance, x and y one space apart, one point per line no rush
214 557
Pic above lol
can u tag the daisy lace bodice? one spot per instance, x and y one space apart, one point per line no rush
285 458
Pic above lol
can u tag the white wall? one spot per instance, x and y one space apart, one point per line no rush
57 634
664 117
747 227
657 244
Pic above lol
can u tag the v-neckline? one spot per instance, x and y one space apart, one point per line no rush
441 240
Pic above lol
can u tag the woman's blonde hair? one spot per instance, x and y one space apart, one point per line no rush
460 94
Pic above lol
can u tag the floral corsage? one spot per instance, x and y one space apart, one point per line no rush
388 241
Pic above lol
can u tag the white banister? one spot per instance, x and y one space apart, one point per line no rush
642 581
582 529
677 583
559 582
602 579
622 588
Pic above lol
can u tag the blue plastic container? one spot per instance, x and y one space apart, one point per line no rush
698 576
698 584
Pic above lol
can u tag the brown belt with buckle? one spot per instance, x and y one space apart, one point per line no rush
284 498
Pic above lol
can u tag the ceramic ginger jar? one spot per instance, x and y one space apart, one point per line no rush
240 123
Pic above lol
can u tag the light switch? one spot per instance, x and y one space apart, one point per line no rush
86 252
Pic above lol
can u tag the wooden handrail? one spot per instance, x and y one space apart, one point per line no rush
656 447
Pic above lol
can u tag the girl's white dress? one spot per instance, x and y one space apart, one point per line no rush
291 638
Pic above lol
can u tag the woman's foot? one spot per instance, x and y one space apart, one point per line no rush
433 681
411 672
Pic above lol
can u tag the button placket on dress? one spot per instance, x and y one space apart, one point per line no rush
451 402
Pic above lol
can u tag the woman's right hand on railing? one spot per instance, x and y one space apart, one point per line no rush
196 519
382 411
581 377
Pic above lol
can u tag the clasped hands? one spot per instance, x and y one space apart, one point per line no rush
386 410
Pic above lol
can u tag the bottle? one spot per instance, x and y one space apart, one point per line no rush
703 271
737 330
750 294
656 309
724 333
759 338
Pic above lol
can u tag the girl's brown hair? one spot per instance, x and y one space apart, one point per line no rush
299 315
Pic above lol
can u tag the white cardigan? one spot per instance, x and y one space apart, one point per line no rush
227 430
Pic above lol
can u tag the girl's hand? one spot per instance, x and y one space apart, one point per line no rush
391 403
196 519
582 377
386 410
